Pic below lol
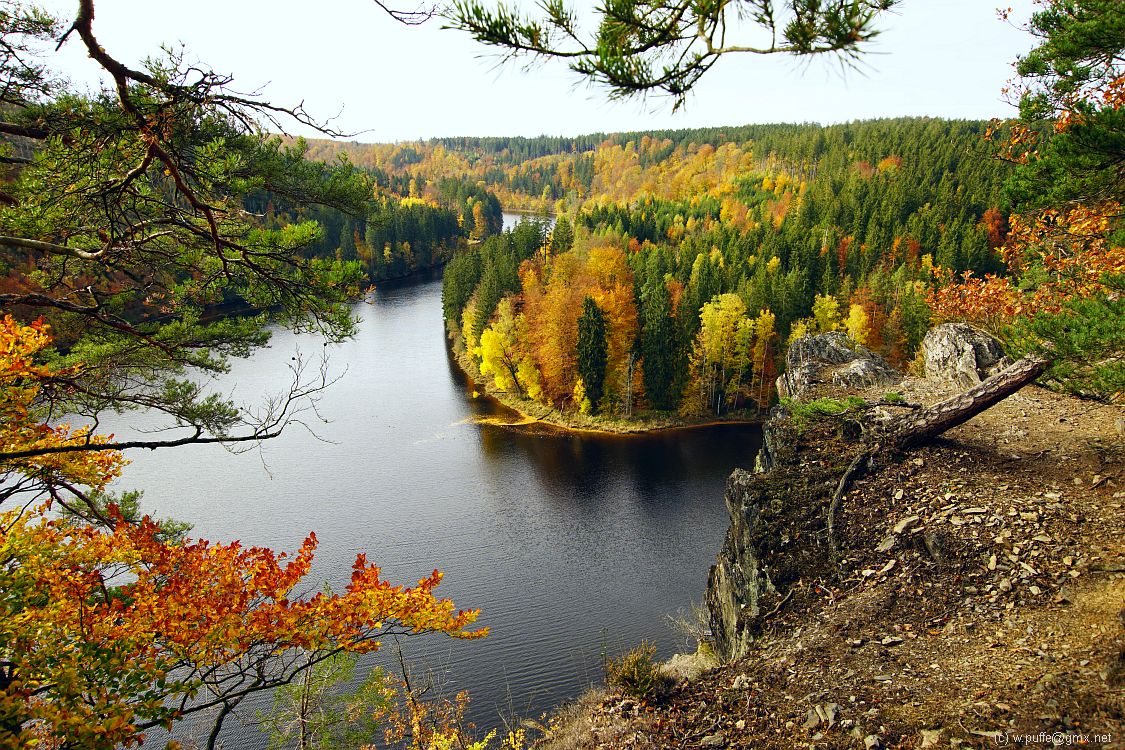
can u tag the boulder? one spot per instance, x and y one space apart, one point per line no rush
832 358
962 354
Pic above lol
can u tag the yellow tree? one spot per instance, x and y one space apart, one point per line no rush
762 356
857 326
500 355
826 313
720 354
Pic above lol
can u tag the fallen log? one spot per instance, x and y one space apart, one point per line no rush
922 425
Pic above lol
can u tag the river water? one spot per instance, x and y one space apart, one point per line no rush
570 545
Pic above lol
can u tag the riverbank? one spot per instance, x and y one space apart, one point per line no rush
528 414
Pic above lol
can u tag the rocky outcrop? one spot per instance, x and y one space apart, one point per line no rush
738 584
962 354
768 547
832 358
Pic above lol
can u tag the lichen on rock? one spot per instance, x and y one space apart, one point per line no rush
962 354
832 358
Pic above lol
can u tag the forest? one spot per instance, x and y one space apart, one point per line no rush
685 260
678 267
400 230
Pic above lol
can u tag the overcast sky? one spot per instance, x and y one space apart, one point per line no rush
947 58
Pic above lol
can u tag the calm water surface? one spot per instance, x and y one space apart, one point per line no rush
569 545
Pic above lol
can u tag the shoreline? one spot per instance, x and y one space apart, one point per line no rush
535 415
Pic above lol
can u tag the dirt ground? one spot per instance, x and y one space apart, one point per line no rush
980 603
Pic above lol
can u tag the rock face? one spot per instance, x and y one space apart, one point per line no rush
737 584
962 354
777 512
768 547
832 358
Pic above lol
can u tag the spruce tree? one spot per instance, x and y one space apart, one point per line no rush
658 344
592 350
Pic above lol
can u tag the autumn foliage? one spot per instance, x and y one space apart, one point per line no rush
21 378
111 625
1064 249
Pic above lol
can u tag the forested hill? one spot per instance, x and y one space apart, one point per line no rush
535 172
702 252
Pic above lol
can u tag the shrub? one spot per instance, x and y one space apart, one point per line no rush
636 674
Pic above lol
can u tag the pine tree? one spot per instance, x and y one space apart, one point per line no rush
592 350
658 339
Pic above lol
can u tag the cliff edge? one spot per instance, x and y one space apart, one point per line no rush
970 592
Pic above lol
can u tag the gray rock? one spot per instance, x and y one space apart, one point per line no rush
872 742
962 354
906 523
713 740
832 358
739 584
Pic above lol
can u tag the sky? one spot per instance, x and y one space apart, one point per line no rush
387 82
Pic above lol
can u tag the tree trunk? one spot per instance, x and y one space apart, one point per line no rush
924 424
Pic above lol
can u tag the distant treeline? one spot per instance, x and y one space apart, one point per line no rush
402 229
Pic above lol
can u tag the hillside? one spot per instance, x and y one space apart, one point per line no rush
981 596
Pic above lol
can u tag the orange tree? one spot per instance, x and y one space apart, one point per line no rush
1065 251
126 224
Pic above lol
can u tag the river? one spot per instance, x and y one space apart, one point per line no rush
570 545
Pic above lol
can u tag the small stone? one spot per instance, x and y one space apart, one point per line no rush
1005 584
872 742
812 721
891 640
886 545
1068 561
740 724
1032 516
898 494
977 511
882 678
906 523
1034 589
713 740
1042 538
992 562
930 737
855 643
